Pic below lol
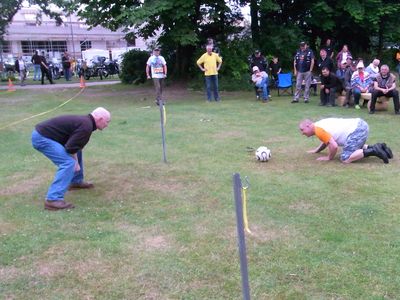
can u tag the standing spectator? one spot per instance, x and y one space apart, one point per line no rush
62 139
210 63
44 68
259 61
328 48
340 74
158 66
324 61
361 82
275 68
373 68
260 79
303 64
385 85
341 57
20 67
36 60
329 85
66 64
350 69
398 61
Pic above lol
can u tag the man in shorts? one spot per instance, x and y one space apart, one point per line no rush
350 134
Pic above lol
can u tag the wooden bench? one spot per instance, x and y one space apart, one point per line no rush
341 98
381 103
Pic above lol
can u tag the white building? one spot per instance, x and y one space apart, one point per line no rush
30 31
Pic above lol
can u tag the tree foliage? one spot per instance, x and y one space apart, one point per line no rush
182 26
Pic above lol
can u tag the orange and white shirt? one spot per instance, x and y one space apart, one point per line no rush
337 128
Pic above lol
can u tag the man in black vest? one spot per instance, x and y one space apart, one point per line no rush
303 64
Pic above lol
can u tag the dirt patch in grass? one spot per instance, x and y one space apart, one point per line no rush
303 207
136 183
146 239
156 242
229 134
6 228
265 235
22 185
9 273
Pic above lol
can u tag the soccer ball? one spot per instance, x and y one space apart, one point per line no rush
263 154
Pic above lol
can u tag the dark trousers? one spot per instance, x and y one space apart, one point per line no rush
328 98
392 94
47 73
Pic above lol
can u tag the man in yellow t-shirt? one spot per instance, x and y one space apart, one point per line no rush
351 134
210 63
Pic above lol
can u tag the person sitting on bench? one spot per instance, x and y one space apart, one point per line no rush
385 85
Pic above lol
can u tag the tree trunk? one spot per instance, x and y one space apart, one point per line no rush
255 27
380 37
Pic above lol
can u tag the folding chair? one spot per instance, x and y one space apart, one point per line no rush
285 83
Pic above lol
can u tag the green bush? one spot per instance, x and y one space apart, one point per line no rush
133 67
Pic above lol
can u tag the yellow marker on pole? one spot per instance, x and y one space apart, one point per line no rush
245 220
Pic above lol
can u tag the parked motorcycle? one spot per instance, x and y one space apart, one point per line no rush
94 68
111 67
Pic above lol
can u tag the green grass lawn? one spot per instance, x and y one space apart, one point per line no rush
149 230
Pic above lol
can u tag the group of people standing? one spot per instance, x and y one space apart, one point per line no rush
41 67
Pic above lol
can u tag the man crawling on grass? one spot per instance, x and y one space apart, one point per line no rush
350 134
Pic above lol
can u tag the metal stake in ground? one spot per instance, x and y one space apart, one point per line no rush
237 192
163 120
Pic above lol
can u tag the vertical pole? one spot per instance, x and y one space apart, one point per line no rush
237 191
161 105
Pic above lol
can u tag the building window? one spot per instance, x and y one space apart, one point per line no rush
85 45
5 47
28 47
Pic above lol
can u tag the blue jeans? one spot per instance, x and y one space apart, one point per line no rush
355 140
67 74
65 174
36 72
264 86
357 96
212 82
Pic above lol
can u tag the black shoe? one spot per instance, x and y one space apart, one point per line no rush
379 152
371 112
295 101
305 101
387 150
397 112
321 104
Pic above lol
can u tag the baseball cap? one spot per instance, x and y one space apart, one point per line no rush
302 43
257 51
255 68
156 49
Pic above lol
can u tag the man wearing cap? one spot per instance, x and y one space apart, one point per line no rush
303 64
62 139
361 82
385 85
260 79
259 61
158 67
210 63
